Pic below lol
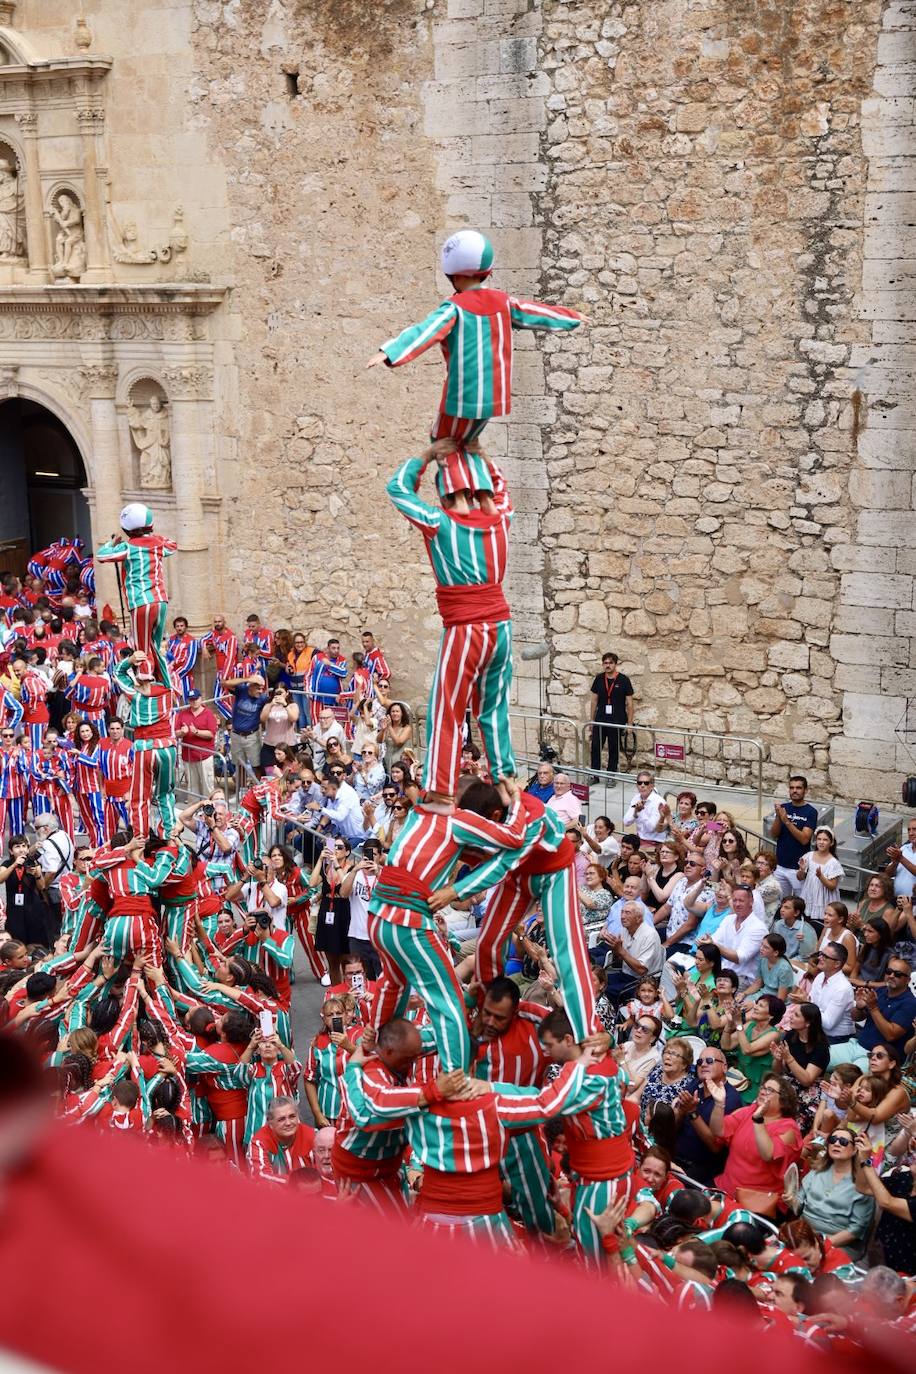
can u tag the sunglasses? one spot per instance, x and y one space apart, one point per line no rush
400 808
839 1140
709 1059
896 973
643 782
649 1029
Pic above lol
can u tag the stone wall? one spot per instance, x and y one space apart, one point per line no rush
706 195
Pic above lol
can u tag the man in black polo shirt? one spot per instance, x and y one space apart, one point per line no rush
612 710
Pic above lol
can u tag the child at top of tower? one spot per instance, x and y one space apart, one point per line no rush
474 330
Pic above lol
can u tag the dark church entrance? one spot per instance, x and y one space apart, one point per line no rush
41 481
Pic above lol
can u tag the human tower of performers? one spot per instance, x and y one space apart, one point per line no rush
164 1006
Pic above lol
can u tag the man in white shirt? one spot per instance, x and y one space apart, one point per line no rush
639 950
740 935
648 812
833 994
341 808
902 866
564 801
55 858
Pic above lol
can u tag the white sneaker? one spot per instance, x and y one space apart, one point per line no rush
325 980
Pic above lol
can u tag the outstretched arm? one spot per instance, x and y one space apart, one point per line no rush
538 315
417 338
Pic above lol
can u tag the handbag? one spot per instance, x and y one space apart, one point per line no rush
757 1200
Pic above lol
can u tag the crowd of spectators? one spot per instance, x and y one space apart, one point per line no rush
761 1033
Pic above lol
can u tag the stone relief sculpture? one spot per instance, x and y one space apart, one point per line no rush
11 235
70 239
149 429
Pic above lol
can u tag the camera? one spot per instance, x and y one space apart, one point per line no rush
262 920
209 810
547 753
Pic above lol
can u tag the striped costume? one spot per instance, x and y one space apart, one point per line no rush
155 751
217 1069
90 694
474 330
324 686
52 786
371 1140
11 711
401 926
131 926
461 1145
516 1057
182 652
274 1160
468 554
600 1150
299 910
87 788
33 691
144 558
116 760
323 1067
14 789
224 647
542 872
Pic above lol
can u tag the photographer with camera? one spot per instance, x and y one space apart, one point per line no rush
209 819
27 912
53 855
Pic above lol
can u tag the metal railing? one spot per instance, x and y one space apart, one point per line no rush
706 755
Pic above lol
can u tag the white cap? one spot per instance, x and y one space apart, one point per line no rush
466 251
136 516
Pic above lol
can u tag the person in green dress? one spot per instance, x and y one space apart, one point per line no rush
749 1041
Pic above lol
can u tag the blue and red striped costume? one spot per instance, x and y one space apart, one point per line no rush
87 788
52 786
90 694
225 649
14 789
182 652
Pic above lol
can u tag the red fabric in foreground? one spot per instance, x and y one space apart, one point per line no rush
165 1243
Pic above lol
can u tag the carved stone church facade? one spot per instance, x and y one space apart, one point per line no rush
212 212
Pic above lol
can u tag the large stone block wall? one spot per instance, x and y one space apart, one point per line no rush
706 195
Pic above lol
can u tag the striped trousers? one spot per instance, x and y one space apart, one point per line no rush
12 815
417 959
526 1168
558 898
91 807
126 936
153 779
494 1230
316 960
474 669
596 1197
56 803
148 626
117 815
456 427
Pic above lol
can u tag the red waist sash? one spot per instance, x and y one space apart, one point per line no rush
542 861
348 1165
464 605
597 1160
462 1195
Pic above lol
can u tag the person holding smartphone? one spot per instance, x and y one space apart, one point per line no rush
358 885
327 1059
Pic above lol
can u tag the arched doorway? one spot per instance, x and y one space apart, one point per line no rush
41 481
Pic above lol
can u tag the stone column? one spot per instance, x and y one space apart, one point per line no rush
37 243
188 391
92 124
101 383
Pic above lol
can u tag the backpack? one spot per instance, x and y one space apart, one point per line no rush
866 821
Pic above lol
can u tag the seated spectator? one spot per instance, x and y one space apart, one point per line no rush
631 889
337 758
895 1194
688 902
368 776
692 984
885 1015
775 974
878 1095
599 840
833 993
662 875
648 812
647 1001
763 1140
876 949
790 923
687 823
697 1151
830 1198
749 1035
707 1015
541 785
395 733
595 897
564 801
639 950
879 900
642 1051
667 1080
740 935
804 1056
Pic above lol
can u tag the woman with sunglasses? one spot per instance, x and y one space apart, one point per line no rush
732 854
763 1139
883 1066
830 1197
332 867
642 1051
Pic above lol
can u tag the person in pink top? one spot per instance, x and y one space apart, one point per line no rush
763 1140
564 801
196 727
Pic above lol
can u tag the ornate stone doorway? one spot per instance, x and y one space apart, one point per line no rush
42 478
